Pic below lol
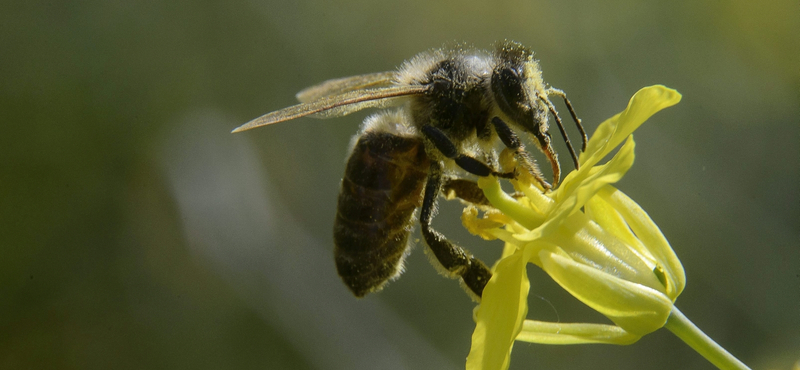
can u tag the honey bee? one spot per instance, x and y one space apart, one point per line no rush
454 106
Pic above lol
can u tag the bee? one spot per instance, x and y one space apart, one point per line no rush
454 106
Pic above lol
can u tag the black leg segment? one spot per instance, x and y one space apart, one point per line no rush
454 259
473 166
449 150
507 136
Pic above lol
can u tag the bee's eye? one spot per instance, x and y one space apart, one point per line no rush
507 87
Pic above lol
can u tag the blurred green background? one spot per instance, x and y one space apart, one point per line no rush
137 233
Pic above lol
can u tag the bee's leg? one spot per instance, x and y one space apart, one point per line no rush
454 259
511 141
465 190
449 150
468 191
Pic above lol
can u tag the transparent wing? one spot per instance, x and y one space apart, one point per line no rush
346 84
336 105
355 107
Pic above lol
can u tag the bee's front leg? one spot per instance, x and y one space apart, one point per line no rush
446 146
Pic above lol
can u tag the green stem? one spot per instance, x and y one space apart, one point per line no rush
679 325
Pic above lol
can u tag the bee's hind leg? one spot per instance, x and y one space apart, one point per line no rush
454 259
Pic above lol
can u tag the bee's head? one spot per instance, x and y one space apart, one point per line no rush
518 89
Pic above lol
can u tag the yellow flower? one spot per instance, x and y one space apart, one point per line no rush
592 239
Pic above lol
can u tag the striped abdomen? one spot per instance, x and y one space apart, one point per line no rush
381 189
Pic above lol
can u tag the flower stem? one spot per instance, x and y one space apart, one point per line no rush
679 325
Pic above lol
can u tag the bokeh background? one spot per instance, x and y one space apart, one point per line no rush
137 233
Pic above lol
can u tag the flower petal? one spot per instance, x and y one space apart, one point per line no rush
573 333
511 207
634 307
649 233
604 214
588 243
499 317
574 194
480 226
610 133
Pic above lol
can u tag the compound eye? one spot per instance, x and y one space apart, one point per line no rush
507 86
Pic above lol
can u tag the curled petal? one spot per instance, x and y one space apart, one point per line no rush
650 235
634 307
645 103
588 243
511 207
604 214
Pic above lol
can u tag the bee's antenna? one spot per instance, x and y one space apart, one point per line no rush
561 128
562 95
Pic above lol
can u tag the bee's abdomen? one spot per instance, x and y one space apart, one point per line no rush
380 191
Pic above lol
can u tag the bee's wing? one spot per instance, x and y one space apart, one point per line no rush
336 105
346 84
